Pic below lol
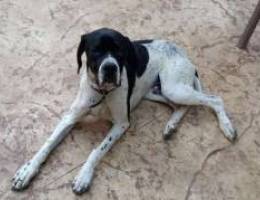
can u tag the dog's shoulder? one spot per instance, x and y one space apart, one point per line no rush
141 56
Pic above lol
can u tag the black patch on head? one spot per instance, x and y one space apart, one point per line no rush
98 44
133 55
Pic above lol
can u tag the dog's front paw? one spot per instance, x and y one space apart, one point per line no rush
24 175
82 182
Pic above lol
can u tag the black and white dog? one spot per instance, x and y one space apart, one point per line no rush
121 73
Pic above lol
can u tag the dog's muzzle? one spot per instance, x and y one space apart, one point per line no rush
109 74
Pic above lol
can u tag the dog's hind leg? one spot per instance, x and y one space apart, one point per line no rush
184 94
178 114
176 117
85 99
157 98
174 121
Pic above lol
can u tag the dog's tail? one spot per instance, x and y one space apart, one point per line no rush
197 84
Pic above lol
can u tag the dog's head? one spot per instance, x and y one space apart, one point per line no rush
107 52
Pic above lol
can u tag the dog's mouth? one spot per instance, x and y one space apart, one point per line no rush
105 88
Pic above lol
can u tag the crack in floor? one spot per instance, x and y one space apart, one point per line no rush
75 23
214 152
46 107
234 20
116 167
208 46
27 72
203 165
59 177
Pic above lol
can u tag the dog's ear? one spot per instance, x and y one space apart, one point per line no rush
137 57
130 52
81 48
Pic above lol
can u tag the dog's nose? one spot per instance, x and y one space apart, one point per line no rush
110 71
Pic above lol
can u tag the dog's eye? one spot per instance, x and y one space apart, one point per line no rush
119 54
94 68
96 53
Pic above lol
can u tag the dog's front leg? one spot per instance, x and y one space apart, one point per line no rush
83 180
86 98
116 102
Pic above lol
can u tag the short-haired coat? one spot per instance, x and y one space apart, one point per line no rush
120 73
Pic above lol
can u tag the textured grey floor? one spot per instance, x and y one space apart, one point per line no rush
38 81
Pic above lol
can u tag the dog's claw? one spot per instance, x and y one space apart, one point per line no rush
233 136
229 132
167 136
79 191
227 127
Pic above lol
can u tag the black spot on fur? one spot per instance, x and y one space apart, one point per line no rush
96 104
196 74
104 147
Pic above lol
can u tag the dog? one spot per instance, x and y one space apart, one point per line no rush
120 73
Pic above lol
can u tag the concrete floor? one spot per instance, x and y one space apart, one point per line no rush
38 81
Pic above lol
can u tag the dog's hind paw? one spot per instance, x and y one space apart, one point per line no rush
168 131
227 128
23 176
230 133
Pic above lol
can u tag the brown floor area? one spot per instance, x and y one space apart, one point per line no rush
38 81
